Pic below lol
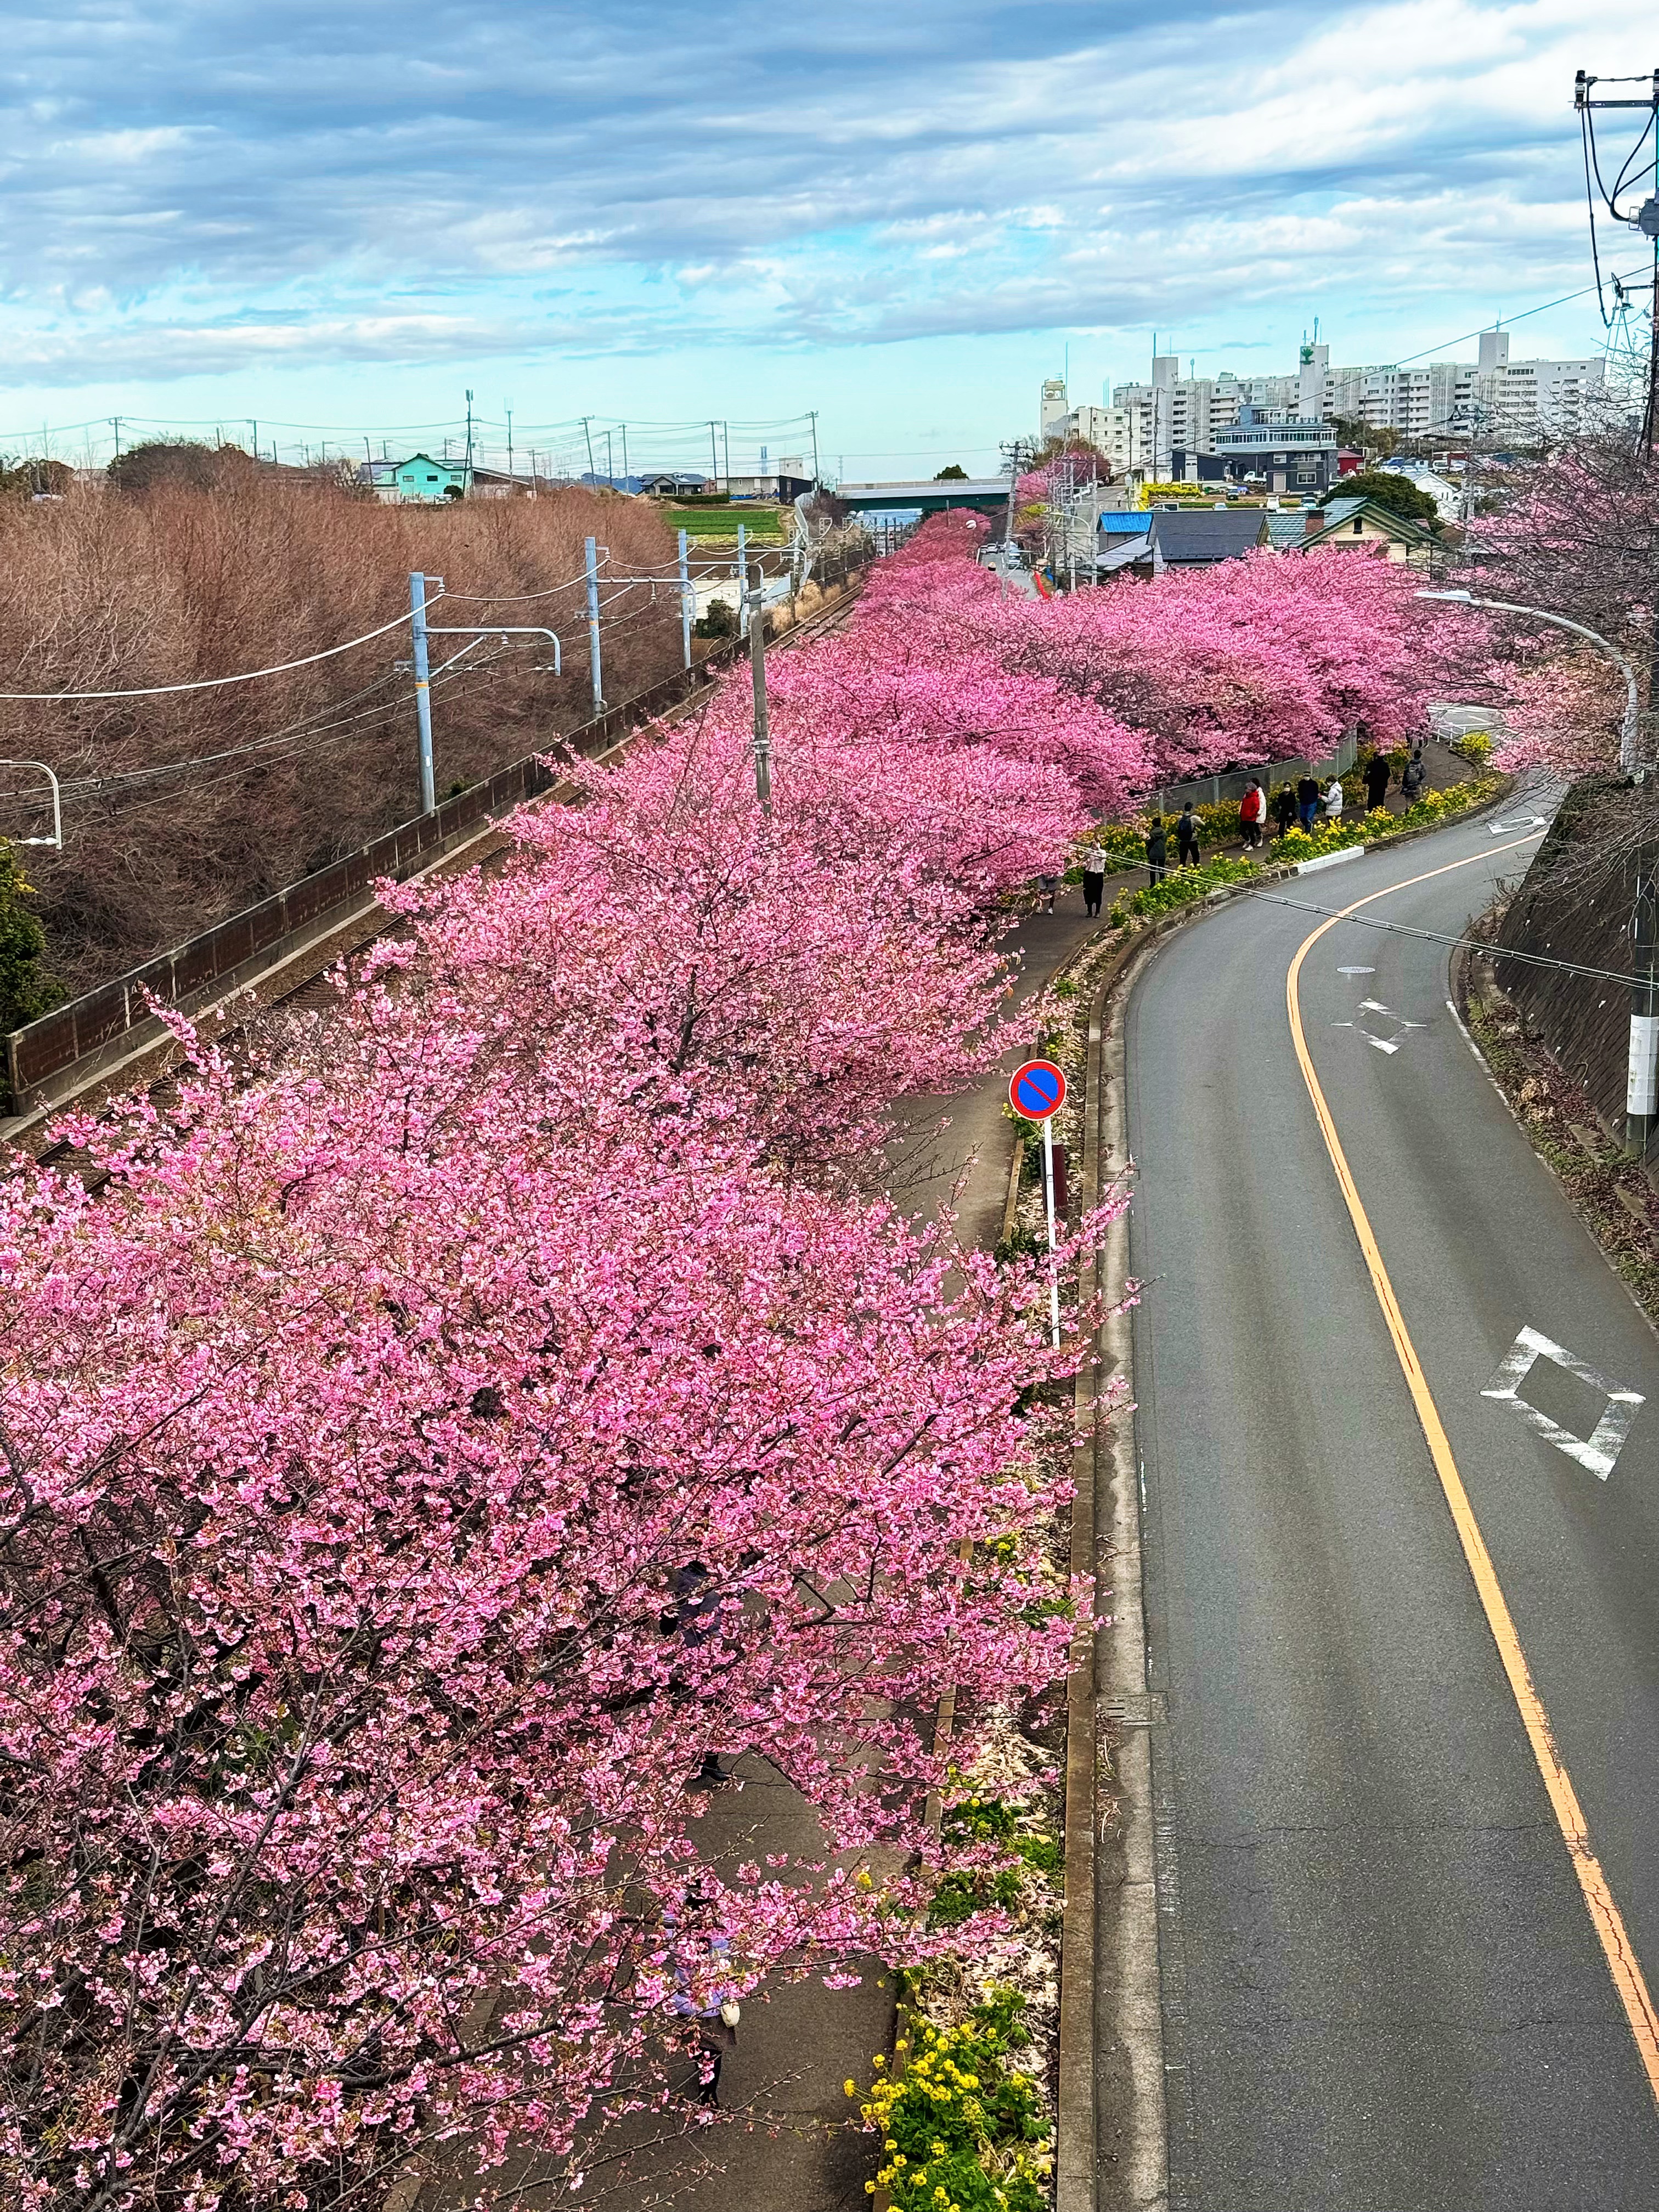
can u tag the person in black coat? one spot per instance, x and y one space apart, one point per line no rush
1284 807
1187 837
1307 800
1158 847
1377 781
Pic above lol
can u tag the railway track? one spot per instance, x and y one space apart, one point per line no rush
313 987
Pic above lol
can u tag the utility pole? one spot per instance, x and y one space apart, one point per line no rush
469 442
813 418
423 690
588 435
1641 1087
610 463
714 459
624 439
758 672
1645 219
509 442
743 579
594 624
533 473
726 435
115 425
687 601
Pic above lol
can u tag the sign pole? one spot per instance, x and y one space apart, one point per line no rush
1048 1194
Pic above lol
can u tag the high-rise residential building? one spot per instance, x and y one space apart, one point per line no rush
1490 396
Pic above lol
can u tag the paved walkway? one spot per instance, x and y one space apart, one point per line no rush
796 2145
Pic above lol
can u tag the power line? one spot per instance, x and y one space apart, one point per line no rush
1439 937
214 683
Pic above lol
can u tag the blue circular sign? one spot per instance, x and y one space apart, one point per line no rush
1036 1090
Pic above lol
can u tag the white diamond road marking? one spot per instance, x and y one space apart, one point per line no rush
1356 971
1600 1450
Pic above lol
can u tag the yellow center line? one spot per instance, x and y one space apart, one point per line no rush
1604 1913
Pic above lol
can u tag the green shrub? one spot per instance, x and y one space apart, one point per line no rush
25 988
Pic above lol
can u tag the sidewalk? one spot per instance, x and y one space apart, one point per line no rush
798 2147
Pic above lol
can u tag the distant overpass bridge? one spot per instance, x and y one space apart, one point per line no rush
987 495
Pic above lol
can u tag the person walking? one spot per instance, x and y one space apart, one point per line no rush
1187 837
1284 807
703 1990
1334 800
1094 877
1307 800
1158 847
1377 781
1252 813
1048 893
1414 775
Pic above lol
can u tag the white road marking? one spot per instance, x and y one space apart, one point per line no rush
1356 971
1529 822
1382 1043
1600 1450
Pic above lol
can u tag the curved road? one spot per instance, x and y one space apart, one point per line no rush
1383 1990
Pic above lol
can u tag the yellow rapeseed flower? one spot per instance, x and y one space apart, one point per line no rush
851 2087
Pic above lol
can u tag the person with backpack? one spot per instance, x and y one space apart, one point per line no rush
1158 847
1252 812
1307 800
1414 776
1186 834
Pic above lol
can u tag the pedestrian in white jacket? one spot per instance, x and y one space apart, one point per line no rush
1334 800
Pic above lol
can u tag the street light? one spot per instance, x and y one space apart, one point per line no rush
1642 1078
1628 727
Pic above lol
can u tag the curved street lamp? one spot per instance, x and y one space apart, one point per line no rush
1628 727
1642 1082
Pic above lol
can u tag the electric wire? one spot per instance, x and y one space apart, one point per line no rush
215 682
1439 937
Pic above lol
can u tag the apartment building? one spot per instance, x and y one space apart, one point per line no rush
1491 396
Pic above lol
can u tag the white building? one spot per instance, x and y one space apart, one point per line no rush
1490 396
1053 410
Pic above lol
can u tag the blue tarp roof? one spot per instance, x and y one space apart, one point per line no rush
1138 521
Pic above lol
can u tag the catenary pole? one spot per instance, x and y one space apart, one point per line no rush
594 623
687 602
758 672
423 690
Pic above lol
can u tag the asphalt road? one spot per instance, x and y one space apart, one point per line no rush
1383 1990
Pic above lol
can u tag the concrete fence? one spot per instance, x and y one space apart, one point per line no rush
1211 790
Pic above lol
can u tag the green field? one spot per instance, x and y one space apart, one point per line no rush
765 523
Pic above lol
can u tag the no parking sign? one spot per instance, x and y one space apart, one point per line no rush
1036 1090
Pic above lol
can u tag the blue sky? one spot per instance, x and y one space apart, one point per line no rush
903 215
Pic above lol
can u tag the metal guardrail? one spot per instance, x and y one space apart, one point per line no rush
103 1023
